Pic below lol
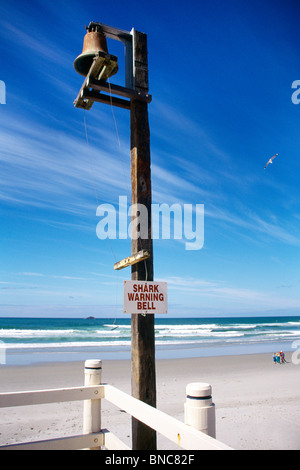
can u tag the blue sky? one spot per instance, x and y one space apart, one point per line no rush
221 77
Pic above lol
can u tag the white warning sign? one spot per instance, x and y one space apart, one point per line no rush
145 297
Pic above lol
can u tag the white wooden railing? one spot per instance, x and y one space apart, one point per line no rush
93 437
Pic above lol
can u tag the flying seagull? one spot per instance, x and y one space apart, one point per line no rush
271 160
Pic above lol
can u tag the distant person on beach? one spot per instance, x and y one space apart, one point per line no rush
282 357
278 358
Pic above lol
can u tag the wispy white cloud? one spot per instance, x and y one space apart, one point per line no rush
31 274
169 186
56 276
253 223
218 291
37 44
44 167
186 127
273 230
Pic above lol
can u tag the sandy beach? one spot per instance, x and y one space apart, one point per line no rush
257 402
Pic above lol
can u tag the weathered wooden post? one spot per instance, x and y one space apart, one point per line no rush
143 378
97 65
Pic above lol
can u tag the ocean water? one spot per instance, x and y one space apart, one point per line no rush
32 340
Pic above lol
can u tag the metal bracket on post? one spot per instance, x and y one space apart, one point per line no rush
93 86
126 38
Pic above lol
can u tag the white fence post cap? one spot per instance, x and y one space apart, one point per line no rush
198 390
93 364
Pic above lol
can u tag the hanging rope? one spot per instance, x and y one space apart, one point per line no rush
125 179
93 179
90 158
118 137
96 195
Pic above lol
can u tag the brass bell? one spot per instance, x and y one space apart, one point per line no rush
94 44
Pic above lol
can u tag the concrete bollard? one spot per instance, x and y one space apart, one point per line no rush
199 410
92 408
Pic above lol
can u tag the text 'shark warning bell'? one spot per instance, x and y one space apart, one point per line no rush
145 297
